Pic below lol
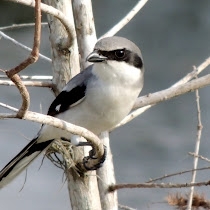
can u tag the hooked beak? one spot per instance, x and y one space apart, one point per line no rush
94 57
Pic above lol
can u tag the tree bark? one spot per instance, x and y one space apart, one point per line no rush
65 61
106 177
83 190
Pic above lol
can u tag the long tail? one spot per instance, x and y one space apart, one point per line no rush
22 160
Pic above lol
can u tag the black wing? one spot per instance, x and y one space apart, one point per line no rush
73 92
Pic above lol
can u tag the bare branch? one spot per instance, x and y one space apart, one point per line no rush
169 93
28 83
106 177
194 73
85 28
59 15
125 20
131 116
197 146
199 156
23 46
125 207
177 173
35 77
7 107
156 185
76 130
33 57
21 25
184 80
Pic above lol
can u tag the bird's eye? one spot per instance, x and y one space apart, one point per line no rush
120 53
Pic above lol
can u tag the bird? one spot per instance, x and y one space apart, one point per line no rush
97 99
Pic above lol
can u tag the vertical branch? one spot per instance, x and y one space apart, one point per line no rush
33 57
83 190
86 37
85 28
106 177
197 146
65 60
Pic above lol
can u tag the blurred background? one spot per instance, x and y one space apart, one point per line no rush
173 36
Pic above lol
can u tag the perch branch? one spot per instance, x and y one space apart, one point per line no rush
125 20
76 130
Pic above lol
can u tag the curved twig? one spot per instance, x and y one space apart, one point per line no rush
33 57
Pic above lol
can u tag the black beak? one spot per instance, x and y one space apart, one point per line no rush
94 57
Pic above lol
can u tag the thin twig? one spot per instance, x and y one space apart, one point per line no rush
125 207
21 25
156 185
23 46
59 15
8 107
33 57
31 77
199 156
29 83
125 19
197 146
177 173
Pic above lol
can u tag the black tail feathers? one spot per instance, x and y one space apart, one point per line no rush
22 160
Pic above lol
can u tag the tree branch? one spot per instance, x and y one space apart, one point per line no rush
76 130
199 156
177 173
21 25
125 20
28 83
35 77
172 92
23 46
197 147
184 80
156 185
59 15
85 28
33 57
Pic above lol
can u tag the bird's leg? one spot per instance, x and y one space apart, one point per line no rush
92 156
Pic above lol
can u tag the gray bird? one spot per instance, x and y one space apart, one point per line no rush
97 99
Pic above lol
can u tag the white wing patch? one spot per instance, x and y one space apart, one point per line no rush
57 108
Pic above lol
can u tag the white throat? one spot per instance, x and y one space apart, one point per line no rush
118 71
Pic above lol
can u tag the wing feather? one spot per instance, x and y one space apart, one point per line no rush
72 94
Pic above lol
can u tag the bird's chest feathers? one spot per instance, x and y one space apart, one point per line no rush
113 93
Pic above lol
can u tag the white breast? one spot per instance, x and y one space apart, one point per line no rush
110 96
